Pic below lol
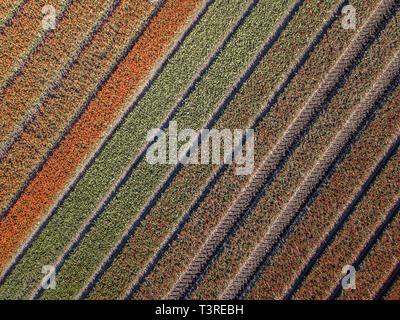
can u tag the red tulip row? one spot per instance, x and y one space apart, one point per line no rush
66 101
173 203
319 218
385 255
293 173
24 32
394 291
120 148
19 98
245 42
100 113
218 201
354 235
6 9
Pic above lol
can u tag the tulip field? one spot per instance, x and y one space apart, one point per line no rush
287 113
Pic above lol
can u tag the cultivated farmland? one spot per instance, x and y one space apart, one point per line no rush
200 149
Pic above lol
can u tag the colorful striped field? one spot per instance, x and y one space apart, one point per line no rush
301 99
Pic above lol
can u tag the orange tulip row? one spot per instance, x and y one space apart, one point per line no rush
41 70
383 257
394 292
25 30
100 113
